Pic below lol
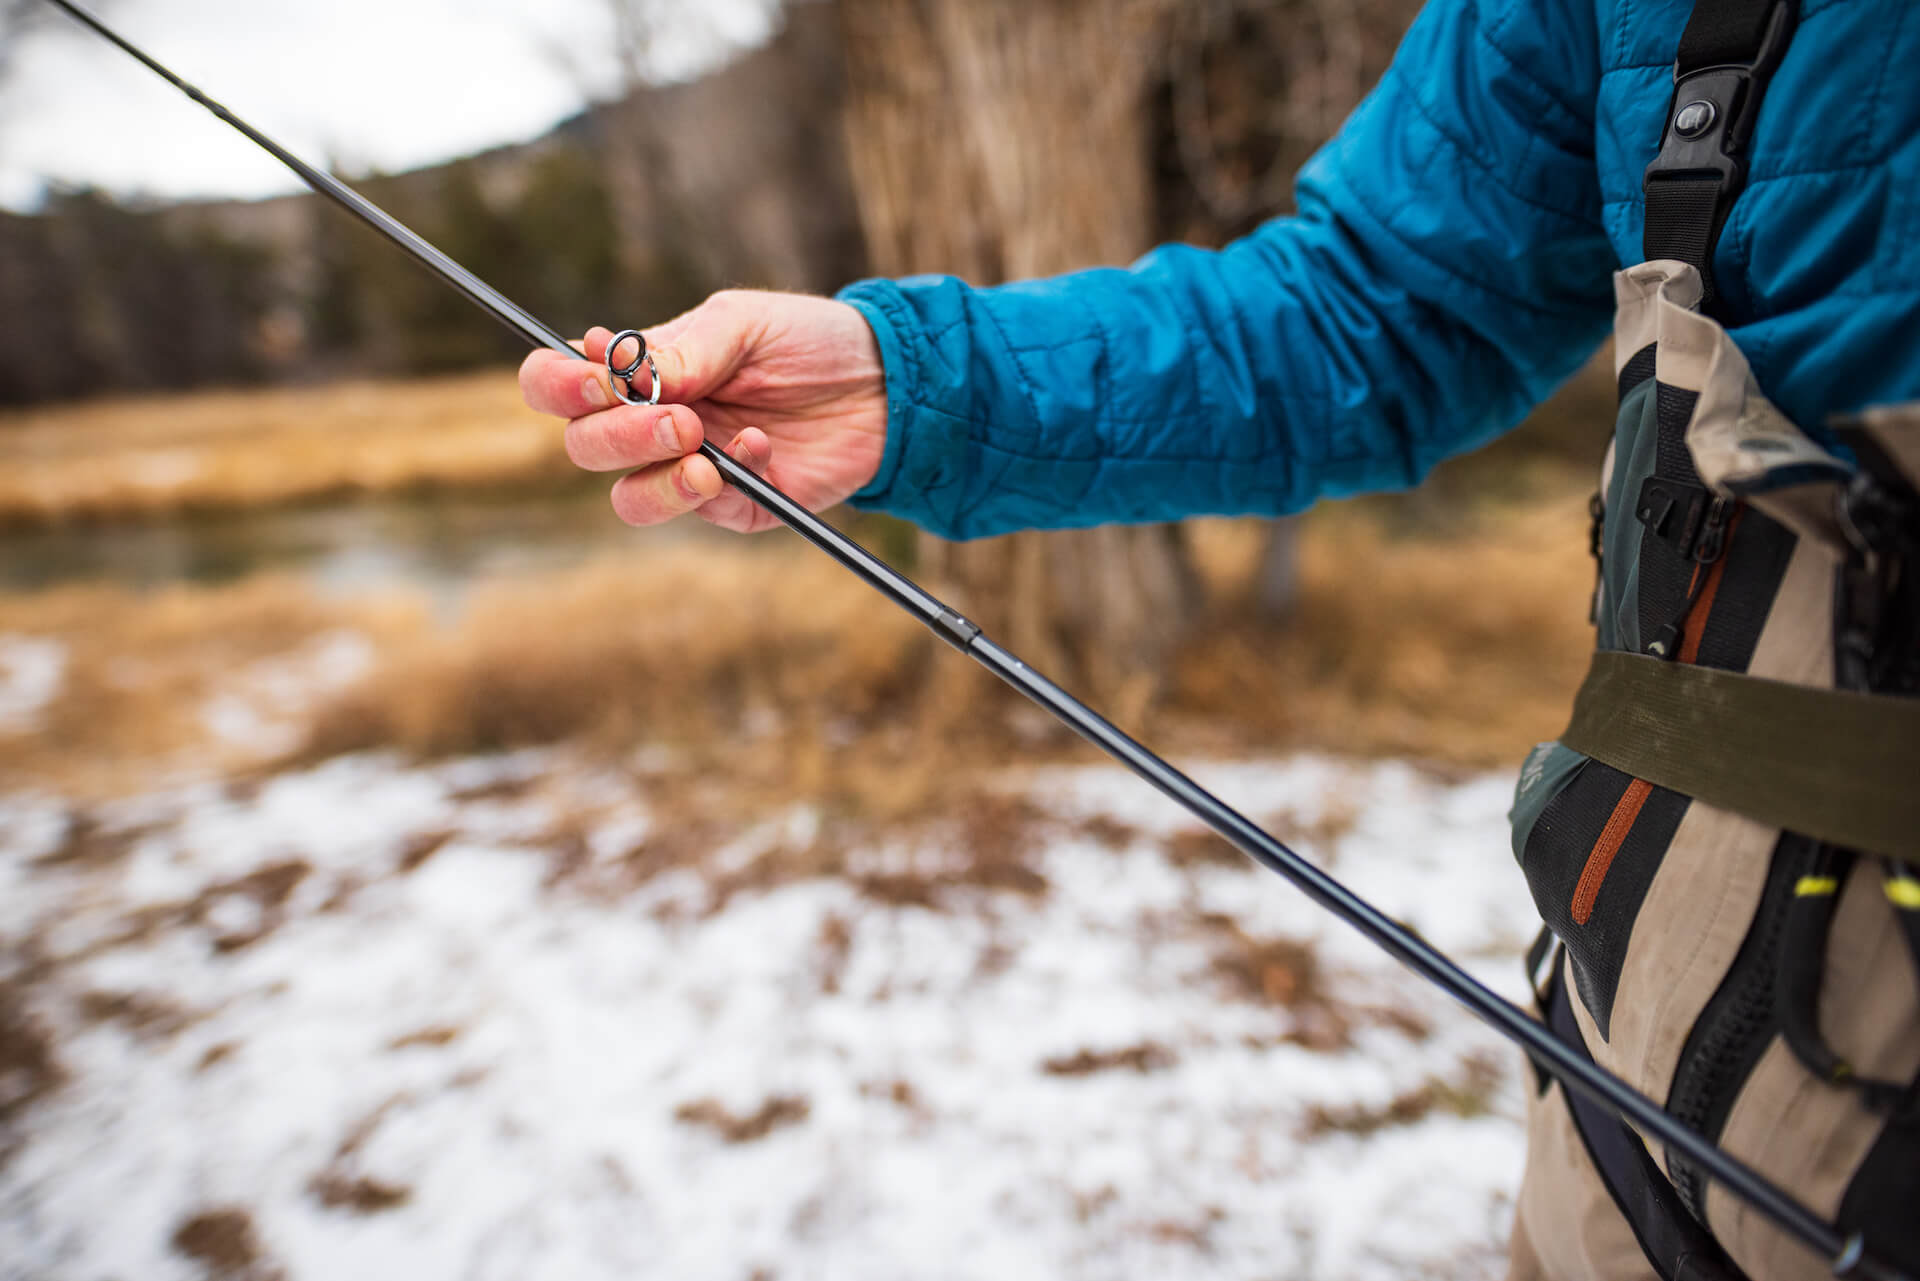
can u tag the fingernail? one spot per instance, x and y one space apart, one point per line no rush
667 434
684 483
595 391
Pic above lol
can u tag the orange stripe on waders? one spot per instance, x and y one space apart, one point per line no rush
1614 834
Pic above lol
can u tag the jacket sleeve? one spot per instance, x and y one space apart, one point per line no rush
1447 267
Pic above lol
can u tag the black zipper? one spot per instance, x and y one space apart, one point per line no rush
1734 1029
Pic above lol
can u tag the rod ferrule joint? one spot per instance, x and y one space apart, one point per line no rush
955 630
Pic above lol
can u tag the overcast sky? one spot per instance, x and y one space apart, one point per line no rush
366 83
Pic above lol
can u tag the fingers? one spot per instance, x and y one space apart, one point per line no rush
733 509
665 490
629 436
554 384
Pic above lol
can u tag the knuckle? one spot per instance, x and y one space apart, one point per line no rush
685 492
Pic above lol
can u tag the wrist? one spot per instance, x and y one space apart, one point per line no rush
881 309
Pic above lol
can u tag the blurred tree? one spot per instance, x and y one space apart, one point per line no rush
98 295
737 177
536 223
39 316
997 139
569 260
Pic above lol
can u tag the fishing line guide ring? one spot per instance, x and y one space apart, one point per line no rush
623 374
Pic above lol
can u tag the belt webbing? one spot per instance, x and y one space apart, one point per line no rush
1835 765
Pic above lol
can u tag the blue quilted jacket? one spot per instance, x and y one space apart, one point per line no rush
1449 265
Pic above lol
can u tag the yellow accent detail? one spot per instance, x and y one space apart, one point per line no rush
1809 886
1904 892
1842 1070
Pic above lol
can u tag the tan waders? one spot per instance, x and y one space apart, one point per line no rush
1718 843
1722 843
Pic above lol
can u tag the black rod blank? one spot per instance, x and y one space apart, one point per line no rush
1846 1252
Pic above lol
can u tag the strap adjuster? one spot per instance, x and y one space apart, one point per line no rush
1711 115
1702 165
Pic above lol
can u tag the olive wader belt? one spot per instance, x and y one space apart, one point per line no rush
1721 844
1833 764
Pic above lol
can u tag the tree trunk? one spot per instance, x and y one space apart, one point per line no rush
1000 139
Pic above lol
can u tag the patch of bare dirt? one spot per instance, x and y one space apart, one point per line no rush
899 1092
1200 847
1195 1233
778 1111
261 895
435 1036
500 789
90 843
342 1185
216 1054
1281 972
1103 830
146 1016
421 847
833 946
29 1068
1321 833
223 1241
1469 1093
1148 1056
357 1194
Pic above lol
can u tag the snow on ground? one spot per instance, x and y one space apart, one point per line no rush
369 1021
264 707
31 671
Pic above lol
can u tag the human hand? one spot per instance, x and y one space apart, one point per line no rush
788 384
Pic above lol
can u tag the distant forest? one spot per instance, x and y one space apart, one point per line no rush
100 295
623 216
594 223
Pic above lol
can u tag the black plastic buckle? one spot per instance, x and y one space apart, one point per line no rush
1711 115
1673 512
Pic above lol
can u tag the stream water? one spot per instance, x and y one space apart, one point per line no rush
438 542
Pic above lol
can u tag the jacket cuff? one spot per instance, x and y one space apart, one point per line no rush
897 331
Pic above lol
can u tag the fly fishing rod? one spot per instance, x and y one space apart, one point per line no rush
1847 1253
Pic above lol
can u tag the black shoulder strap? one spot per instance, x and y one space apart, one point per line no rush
1727 54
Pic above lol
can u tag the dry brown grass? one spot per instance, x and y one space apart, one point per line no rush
770 672
132 458
1446 625
1463 648
141 667
759 667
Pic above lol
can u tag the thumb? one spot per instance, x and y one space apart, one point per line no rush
700 351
